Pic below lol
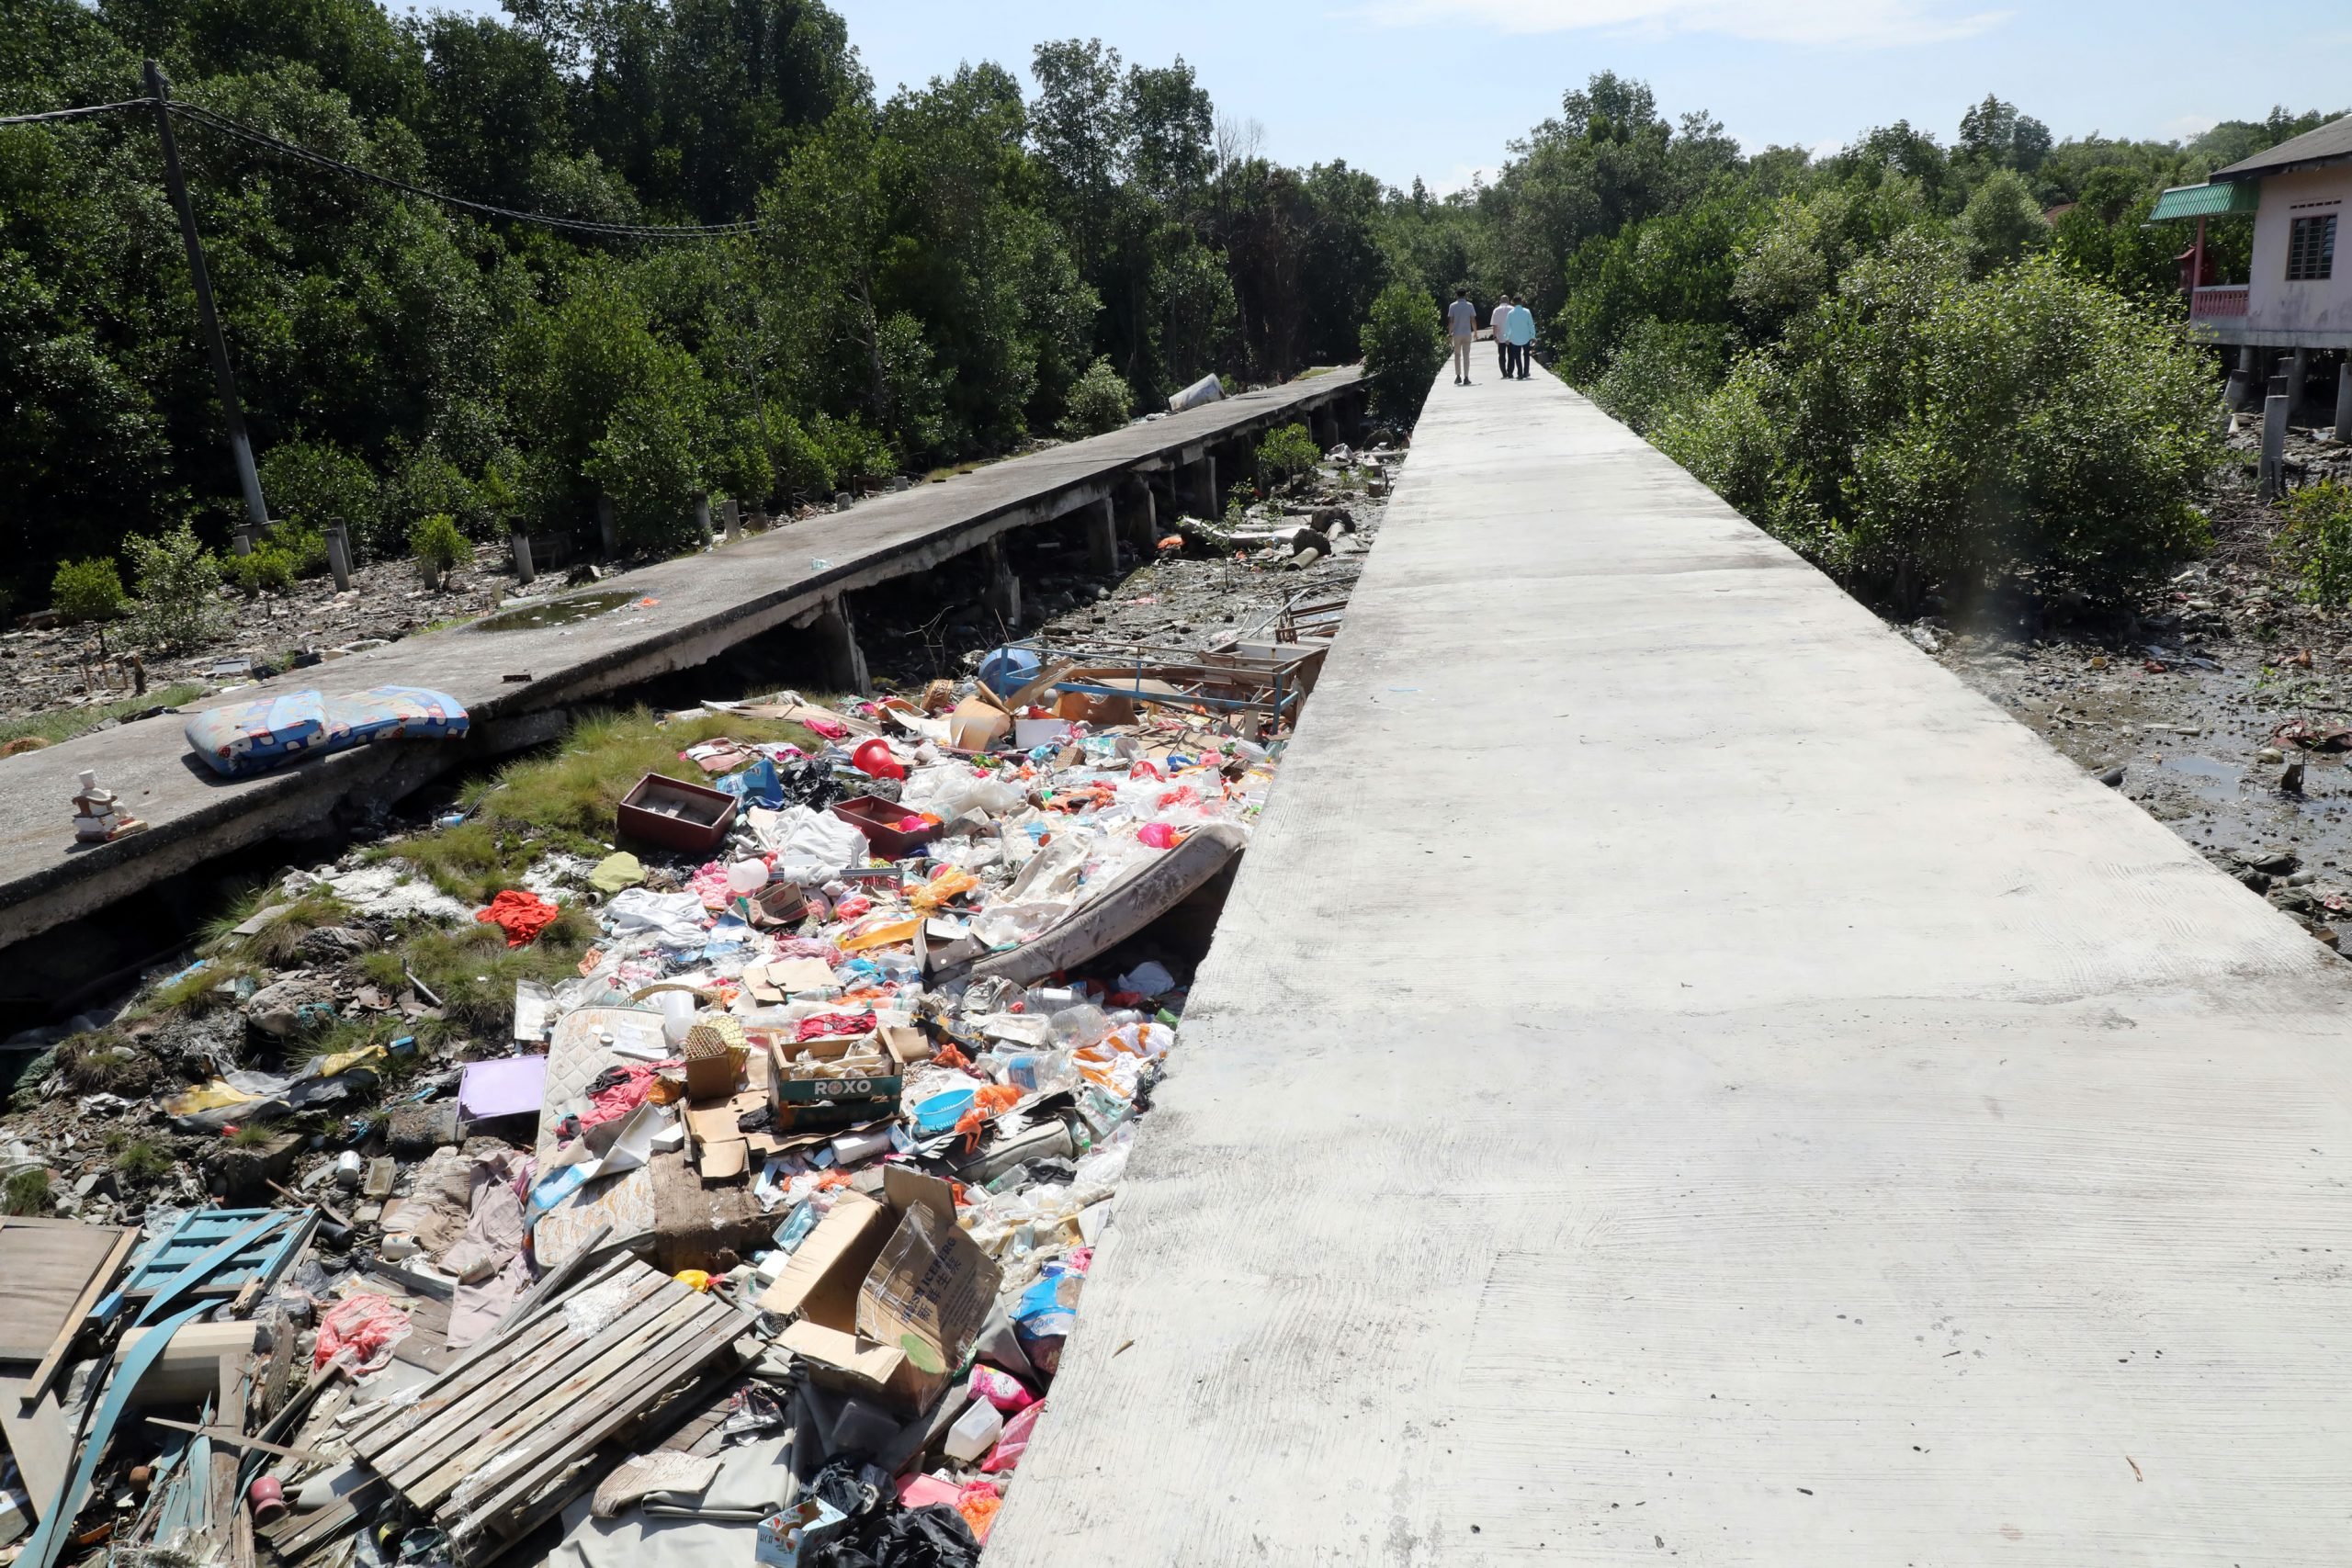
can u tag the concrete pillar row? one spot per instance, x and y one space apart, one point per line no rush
339 556
731 513
520 544
2298 378
702 517
2272 475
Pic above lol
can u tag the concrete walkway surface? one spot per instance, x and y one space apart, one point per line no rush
707 602
1681 1077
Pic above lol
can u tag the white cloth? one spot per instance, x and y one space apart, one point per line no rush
811 847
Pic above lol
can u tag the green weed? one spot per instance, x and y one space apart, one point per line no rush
66 722
25 1195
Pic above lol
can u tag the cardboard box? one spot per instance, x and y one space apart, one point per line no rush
888 1297
977 726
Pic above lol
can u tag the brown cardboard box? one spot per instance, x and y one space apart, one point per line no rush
889 1296
977 725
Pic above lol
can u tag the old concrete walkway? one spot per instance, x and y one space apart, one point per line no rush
1680 1076
706 603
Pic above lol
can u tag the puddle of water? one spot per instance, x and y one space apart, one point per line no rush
554 613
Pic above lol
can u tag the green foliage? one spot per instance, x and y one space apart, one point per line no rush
65 724
1659 370
25 1195
86 590
176 604
1288 452
436 544
265 569
2318 538
1931 429
141 1163
314 485
1099 402
2001 223
1402 348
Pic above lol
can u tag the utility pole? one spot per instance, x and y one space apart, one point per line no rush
240 447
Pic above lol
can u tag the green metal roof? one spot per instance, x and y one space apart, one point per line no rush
2207 201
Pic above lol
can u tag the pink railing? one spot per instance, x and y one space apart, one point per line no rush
2230 299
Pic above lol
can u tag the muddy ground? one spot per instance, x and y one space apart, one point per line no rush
2188 691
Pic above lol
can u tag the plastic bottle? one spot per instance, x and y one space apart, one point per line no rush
975 1432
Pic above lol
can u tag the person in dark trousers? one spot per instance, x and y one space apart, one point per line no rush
1462 326
1520 331
1495 324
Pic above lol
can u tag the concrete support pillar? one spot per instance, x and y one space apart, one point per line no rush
2273 476
1003 594
1103 538
339 557
241 539
2298 380
520 544
1142 517
731 513
1204 497
844 500
2343 398
845 660
608 529
702 517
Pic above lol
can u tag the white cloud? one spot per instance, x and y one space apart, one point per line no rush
1869 23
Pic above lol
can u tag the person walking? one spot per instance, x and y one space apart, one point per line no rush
1462 325
1500 320
1520 330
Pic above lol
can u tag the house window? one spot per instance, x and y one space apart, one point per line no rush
2311 249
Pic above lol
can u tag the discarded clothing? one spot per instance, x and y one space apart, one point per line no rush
616 872
522 916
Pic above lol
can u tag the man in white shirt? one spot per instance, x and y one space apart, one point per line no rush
1462 325
1498 322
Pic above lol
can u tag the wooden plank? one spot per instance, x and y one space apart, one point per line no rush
550 1458
82 1306
48 1267
633 1387
230 1438
608 1359
541 1407
303 1533
39 1436
445 1401
501 1384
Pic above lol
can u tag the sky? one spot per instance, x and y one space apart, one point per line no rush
1437 88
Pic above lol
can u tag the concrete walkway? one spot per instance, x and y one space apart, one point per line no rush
708 604
1681 1077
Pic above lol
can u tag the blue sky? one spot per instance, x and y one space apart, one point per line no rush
1437 87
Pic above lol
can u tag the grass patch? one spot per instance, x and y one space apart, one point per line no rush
140 1161
253 1134
100 1063
567 801
275 943
66 722
195 992
474 972
25 1195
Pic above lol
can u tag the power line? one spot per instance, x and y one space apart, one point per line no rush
256 136
76 114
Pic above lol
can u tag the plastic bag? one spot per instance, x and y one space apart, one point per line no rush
359 1332
1009 1448
1003 1390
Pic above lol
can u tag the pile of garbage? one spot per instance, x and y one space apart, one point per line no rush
760 1234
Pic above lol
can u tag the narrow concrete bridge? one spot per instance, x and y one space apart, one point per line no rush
1681 1077
1117 485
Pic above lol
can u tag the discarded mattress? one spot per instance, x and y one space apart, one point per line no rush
1125 908
245 738
397 713
248 738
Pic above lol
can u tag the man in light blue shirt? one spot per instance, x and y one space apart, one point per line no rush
1520 333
